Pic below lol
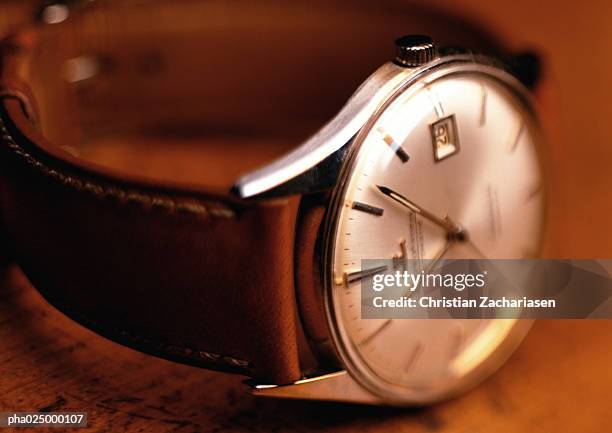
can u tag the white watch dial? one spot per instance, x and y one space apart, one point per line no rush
462 145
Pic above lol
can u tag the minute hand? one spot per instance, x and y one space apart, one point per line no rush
445 223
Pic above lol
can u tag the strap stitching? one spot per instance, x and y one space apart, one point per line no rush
156 346
163 202
110 192
186 352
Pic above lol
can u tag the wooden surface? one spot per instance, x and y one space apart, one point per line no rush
558 381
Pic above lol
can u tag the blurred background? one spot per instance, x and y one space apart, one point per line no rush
559 380
574 41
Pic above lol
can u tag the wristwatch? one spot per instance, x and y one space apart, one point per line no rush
151 189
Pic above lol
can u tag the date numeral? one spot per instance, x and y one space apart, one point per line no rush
444 137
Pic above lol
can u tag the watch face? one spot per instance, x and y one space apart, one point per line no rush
460 142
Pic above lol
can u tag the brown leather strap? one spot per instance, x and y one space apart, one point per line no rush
189 273
112 229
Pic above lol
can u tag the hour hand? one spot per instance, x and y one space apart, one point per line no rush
447 224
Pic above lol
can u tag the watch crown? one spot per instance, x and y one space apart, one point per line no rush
414 50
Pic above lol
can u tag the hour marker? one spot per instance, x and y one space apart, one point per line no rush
483 105
516 138
414 356
437 105
394 145
375 333
364 207
351 277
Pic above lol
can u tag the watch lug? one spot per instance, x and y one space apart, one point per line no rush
334 386
321 177
314 165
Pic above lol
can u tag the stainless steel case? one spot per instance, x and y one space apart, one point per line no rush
335 146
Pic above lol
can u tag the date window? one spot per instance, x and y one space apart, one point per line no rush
444 137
